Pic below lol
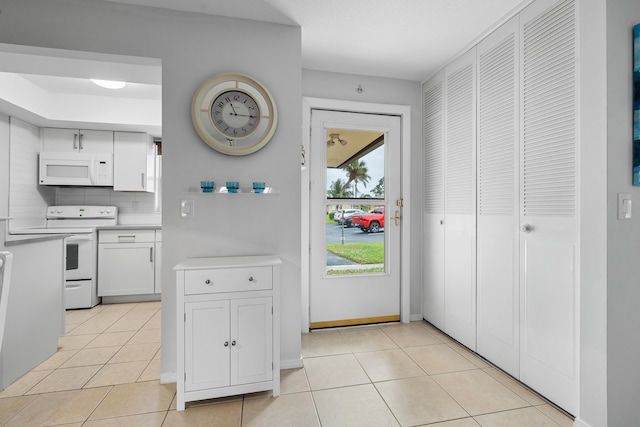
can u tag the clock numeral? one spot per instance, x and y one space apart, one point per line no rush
236 97
227 99
220 104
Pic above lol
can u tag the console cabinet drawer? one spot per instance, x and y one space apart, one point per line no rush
227 280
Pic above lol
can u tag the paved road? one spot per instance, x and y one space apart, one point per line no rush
351 235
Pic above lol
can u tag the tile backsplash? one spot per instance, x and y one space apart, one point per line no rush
133 207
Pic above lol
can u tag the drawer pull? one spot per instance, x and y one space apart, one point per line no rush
233 343
208 282
251 279
226 343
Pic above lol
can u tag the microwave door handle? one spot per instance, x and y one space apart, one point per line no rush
92 168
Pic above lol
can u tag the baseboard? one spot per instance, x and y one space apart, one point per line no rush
168 377
291 364
579 423
171 377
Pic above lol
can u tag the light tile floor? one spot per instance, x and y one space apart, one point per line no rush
107 369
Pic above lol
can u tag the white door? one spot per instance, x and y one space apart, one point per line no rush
460 200
355 261
125 269
498 190
433 201
549 246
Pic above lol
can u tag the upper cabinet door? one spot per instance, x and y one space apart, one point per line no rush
549 244
77 141
133 162
498 178
460 199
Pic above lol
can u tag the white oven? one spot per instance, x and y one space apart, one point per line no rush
80 284
81 249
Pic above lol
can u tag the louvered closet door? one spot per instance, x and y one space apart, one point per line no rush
498 234
433 202
460 200
548 211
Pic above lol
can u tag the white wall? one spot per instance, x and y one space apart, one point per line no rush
320 84
4 165
192 47
28 200
623 250
593 213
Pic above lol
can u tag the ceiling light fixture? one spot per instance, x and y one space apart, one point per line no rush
335 137
109 84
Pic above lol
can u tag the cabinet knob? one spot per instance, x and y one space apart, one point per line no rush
233 343
251 279
208 282
226 343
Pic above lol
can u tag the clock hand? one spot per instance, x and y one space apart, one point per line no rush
234 110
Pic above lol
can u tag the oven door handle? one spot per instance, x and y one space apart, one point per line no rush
79 239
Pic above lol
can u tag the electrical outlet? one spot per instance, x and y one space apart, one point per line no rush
624 206
186 208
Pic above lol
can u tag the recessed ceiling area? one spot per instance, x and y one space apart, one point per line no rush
65 97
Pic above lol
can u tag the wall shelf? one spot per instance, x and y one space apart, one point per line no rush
268 191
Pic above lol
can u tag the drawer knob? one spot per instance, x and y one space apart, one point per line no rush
251 279
208 282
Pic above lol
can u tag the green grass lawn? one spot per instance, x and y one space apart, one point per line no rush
360 253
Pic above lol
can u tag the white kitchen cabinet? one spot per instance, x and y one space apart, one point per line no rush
133 162
78 141
126 262
228 338
158 262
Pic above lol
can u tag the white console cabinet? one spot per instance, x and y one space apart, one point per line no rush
228 327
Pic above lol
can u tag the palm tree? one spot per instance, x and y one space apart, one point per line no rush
378 190
338 190
357 172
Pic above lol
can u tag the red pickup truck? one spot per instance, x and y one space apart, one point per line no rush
371 222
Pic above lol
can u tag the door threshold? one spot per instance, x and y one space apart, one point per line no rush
364 321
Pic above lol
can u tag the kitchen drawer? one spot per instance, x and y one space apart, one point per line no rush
227 280
127 236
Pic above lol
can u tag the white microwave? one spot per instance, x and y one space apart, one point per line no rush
82 169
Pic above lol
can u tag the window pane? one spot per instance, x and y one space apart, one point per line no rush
355 239
355 164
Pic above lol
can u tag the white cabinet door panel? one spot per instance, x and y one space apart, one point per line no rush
125 269
251 349
207 345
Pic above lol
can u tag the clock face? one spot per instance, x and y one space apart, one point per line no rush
234 114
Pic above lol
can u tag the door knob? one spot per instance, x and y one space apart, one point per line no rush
397 217
233 343
526 228
226 343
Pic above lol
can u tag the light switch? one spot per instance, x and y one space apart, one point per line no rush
186 208
624 206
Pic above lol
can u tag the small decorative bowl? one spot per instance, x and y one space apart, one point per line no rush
207 186
232 186
258 187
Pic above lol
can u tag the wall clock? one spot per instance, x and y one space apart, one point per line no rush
234 114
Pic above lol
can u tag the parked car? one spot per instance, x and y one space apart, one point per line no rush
370 222
348 214
343 216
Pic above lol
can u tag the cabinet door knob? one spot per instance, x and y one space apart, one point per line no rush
233 343
226 343
208 282
251 279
